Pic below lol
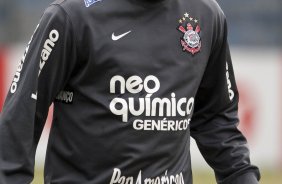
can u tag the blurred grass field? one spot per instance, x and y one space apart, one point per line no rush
200 177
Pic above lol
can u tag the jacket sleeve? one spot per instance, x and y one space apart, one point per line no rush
215 119
43 71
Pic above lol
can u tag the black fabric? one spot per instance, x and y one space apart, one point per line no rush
129 86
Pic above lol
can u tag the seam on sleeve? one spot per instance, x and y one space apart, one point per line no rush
73 32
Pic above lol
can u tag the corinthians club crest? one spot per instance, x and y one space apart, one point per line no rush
191 40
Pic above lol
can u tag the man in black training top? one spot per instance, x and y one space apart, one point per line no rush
131 81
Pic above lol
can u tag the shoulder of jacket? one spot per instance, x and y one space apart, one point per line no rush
74 9
68 2
70 5
211 7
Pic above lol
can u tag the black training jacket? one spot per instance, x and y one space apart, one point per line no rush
131 81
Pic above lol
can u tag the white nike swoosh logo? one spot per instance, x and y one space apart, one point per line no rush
115 38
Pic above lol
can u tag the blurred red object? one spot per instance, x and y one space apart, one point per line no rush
247 109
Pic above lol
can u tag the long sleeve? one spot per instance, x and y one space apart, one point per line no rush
215 120
45 68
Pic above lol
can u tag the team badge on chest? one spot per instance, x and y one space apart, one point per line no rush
191 40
